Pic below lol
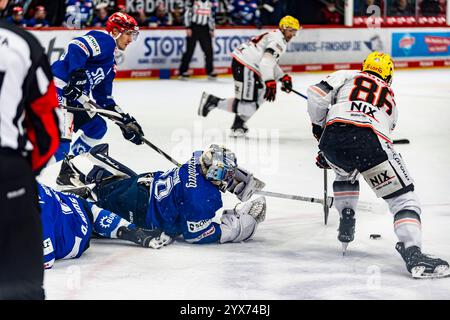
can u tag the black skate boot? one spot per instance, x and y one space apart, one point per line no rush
421 265
238 129
207 103
66 173
346 228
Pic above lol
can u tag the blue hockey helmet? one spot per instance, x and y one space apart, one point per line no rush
218 165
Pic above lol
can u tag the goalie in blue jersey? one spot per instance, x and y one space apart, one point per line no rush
68 222
180 202
88 67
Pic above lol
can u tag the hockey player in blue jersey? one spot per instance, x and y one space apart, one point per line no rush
68 221
88 67
182 201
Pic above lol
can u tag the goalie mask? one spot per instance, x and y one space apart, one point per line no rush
218 165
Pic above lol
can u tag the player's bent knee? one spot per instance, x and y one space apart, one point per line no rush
96 128
405 201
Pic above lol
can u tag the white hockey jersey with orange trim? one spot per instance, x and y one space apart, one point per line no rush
251 53
354 97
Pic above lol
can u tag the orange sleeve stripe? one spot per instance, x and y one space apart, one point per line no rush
317 90
401 221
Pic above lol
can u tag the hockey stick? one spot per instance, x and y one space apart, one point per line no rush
328 203
300 94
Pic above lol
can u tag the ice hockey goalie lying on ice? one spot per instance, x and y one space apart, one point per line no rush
68 222
182 201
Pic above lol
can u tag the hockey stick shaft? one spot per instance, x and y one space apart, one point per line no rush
300 94
103 112
296 197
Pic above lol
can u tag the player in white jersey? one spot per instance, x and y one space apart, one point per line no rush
255 72
353 114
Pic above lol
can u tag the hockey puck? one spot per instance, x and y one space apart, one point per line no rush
375 236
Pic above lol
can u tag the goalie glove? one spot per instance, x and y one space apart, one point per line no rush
244 184
155 239
131 130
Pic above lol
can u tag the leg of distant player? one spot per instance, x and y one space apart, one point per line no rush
249 95
187 56
206 45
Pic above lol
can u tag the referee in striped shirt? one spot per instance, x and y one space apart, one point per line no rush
29 135
199 21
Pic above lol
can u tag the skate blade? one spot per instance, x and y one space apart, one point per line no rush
439 272
344 248
238 134
202 103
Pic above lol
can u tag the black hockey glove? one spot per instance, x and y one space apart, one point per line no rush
321 162
317 131
132 130
286 83
146 238
74 88
271 90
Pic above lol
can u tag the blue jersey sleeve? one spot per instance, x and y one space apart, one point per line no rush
106 223
48 226
203 231
78 52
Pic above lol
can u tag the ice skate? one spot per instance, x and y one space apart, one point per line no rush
238 129
207 103
67 175
346 228
422 266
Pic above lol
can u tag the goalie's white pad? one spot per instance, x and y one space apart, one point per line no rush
240 224
87 166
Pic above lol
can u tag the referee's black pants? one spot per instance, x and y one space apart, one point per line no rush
21 250
203 35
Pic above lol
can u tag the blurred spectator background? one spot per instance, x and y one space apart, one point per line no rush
162 13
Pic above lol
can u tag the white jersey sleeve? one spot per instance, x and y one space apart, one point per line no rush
356 98
262 54
321 95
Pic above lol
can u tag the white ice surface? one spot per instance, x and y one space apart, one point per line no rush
293 254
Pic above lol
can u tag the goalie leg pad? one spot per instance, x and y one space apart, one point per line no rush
97 165
240 224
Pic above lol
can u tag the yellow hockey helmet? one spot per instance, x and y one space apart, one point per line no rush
381 64
289 22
